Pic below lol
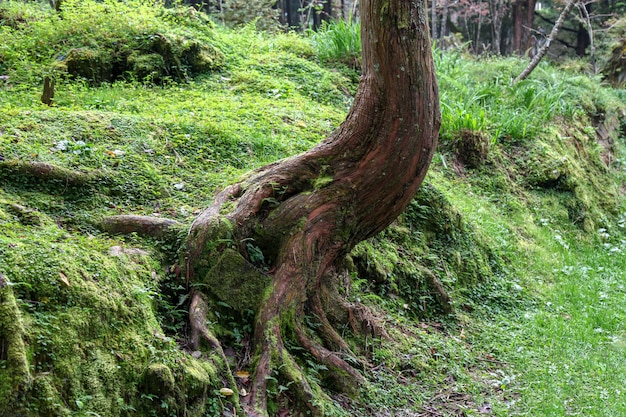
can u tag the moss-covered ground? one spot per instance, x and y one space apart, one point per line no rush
521 222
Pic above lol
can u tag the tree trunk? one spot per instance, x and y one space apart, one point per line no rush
518 26
530 21
305 213
444 20
496 10
433 19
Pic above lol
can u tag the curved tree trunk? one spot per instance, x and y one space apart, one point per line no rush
307 212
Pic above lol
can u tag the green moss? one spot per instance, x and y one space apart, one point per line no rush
236 282
322 181
15 377
159 380
90 64
150 67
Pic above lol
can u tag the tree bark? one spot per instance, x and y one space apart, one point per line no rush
496 8
518 25
307 212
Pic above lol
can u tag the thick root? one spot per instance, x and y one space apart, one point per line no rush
276 363
12 346
48 173
201 333
142 225
199 330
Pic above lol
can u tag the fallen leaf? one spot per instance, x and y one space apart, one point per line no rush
226 392
64 278
242 374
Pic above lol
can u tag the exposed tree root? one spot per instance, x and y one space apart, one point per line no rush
12 346
45 172
200 332
440 292
142 225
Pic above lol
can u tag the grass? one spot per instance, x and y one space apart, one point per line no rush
528 241
568 349
339 41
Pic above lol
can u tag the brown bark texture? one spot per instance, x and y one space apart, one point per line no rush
305 213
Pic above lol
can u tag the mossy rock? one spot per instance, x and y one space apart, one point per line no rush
93 65
549 171
615 69
153 58
200 57
159 380
198 378
150 67
236 282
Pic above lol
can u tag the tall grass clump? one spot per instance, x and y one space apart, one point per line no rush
478 95
339 41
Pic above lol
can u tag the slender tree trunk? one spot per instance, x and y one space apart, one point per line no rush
433 20
530 19
478 29
584 12
518 26
444 20
535 61
497 12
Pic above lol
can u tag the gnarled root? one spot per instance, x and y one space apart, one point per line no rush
200 333
12 346
142 225
46 172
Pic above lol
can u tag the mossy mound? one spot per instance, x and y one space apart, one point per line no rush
573 166
430 239
157 57
615 68
78 328
235 281
89 40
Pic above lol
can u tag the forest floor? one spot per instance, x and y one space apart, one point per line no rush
521 218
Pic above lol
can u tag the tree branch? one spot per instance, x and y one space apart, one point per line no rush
535 61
